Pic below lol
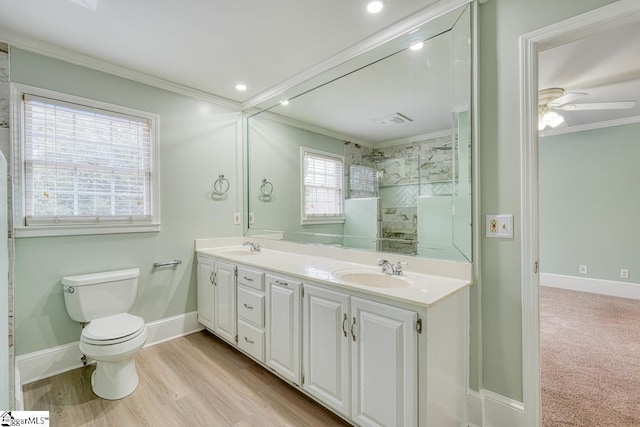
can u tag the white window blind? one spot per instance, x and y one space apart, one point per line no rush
322 182
85 165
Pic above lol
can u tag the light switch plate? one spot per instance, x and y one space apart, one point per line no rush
236 218
500 226
252 218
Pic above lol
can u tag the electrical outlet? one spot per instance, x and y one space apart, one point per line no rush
582 269
236 218
252 218
624 273
499 226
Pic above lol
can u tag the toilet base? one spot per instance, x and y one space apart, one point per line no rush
114 380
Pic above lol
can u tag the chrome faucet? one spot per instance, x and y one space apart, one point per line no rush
255 247
386 266
389 268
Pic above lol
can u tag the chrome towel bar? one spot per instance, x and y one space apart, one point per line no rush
167 263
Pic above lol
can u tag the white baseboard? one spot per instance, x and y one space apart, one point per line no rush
18 397
474 406
56 360
489 409
594 286
172 327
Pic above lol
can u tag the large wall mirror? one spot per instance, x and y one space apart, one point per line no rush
374 154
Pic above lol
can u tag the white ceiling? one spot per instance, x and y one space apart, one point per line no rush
606 66
208 45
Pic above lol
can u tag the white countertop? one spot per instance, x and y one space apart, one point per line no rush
423 290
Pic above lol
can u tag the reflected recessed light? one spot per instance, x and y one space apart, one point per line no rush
241 87
416 46
375 6
285 102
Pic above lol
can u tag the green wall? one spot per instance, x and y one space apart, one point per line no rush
590 203
198 141
501 23
274 153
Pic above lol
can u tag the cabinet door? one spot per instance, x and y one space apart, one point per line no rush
325 349
283 327
225 300
205 291
384 364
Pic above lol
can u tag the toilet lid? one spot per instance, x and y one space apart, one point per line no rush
111 328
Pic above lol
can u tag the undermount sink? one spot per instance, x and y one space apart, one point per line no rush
371 278
237 252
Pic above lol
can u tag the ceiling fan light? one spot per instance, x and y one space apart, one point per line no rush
552 119
541 125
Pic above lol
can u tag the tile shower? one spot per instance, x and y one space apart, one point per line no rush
403 172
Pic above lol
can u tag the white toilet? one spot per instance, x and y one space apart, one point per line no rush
112 336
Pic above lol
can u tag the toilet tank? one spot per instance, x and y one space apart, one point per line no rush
95 295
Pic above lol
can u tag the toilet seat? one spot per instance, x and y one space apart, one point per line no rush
113 329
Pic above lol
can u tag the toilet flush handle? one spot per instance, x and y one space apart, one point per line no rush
69 290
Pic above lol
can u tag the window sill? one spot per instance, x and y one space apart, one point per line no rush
322 221
82 230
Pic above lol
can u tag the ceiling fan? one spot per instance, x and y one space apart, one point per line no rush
553 99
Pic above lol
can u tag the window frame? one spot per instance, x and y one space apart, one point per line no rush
21 229
310 220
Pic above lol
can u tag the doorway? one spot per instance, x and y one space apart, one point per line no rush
531 44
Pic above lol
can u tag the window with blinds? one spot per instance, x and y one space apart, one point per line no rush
322 177
84 165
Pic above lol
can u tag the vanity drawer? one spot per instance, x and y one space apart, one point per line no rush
251 340
251 278
251 306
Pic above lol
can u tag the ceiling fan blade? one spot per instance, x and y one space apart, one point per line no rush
620 105
566 98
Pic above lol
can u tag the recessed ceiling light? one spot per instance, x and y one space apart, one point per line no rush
416 46
285 102
375 6
241 87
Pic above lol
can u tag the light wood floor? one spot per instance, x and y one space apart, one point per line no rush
196 380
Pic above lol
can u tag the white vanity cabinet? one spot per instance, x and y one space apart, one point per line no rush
217 297
251 312
360 357
224 278
205 291
374 360
283 326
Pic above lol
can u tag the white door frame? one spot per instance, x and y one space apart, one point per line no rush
607 17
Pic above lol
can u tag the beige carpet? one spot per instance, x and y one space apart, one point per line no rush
590 356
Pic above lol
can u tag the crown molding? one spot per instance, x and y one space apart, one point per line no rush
312 128
412 139
591 126
56 52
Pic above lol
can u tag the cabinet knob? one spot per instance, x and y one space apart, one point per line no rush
279 282
353 325
247 306
248 340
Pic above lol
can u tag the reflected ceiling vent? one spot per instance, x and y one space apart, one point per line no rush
391 119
